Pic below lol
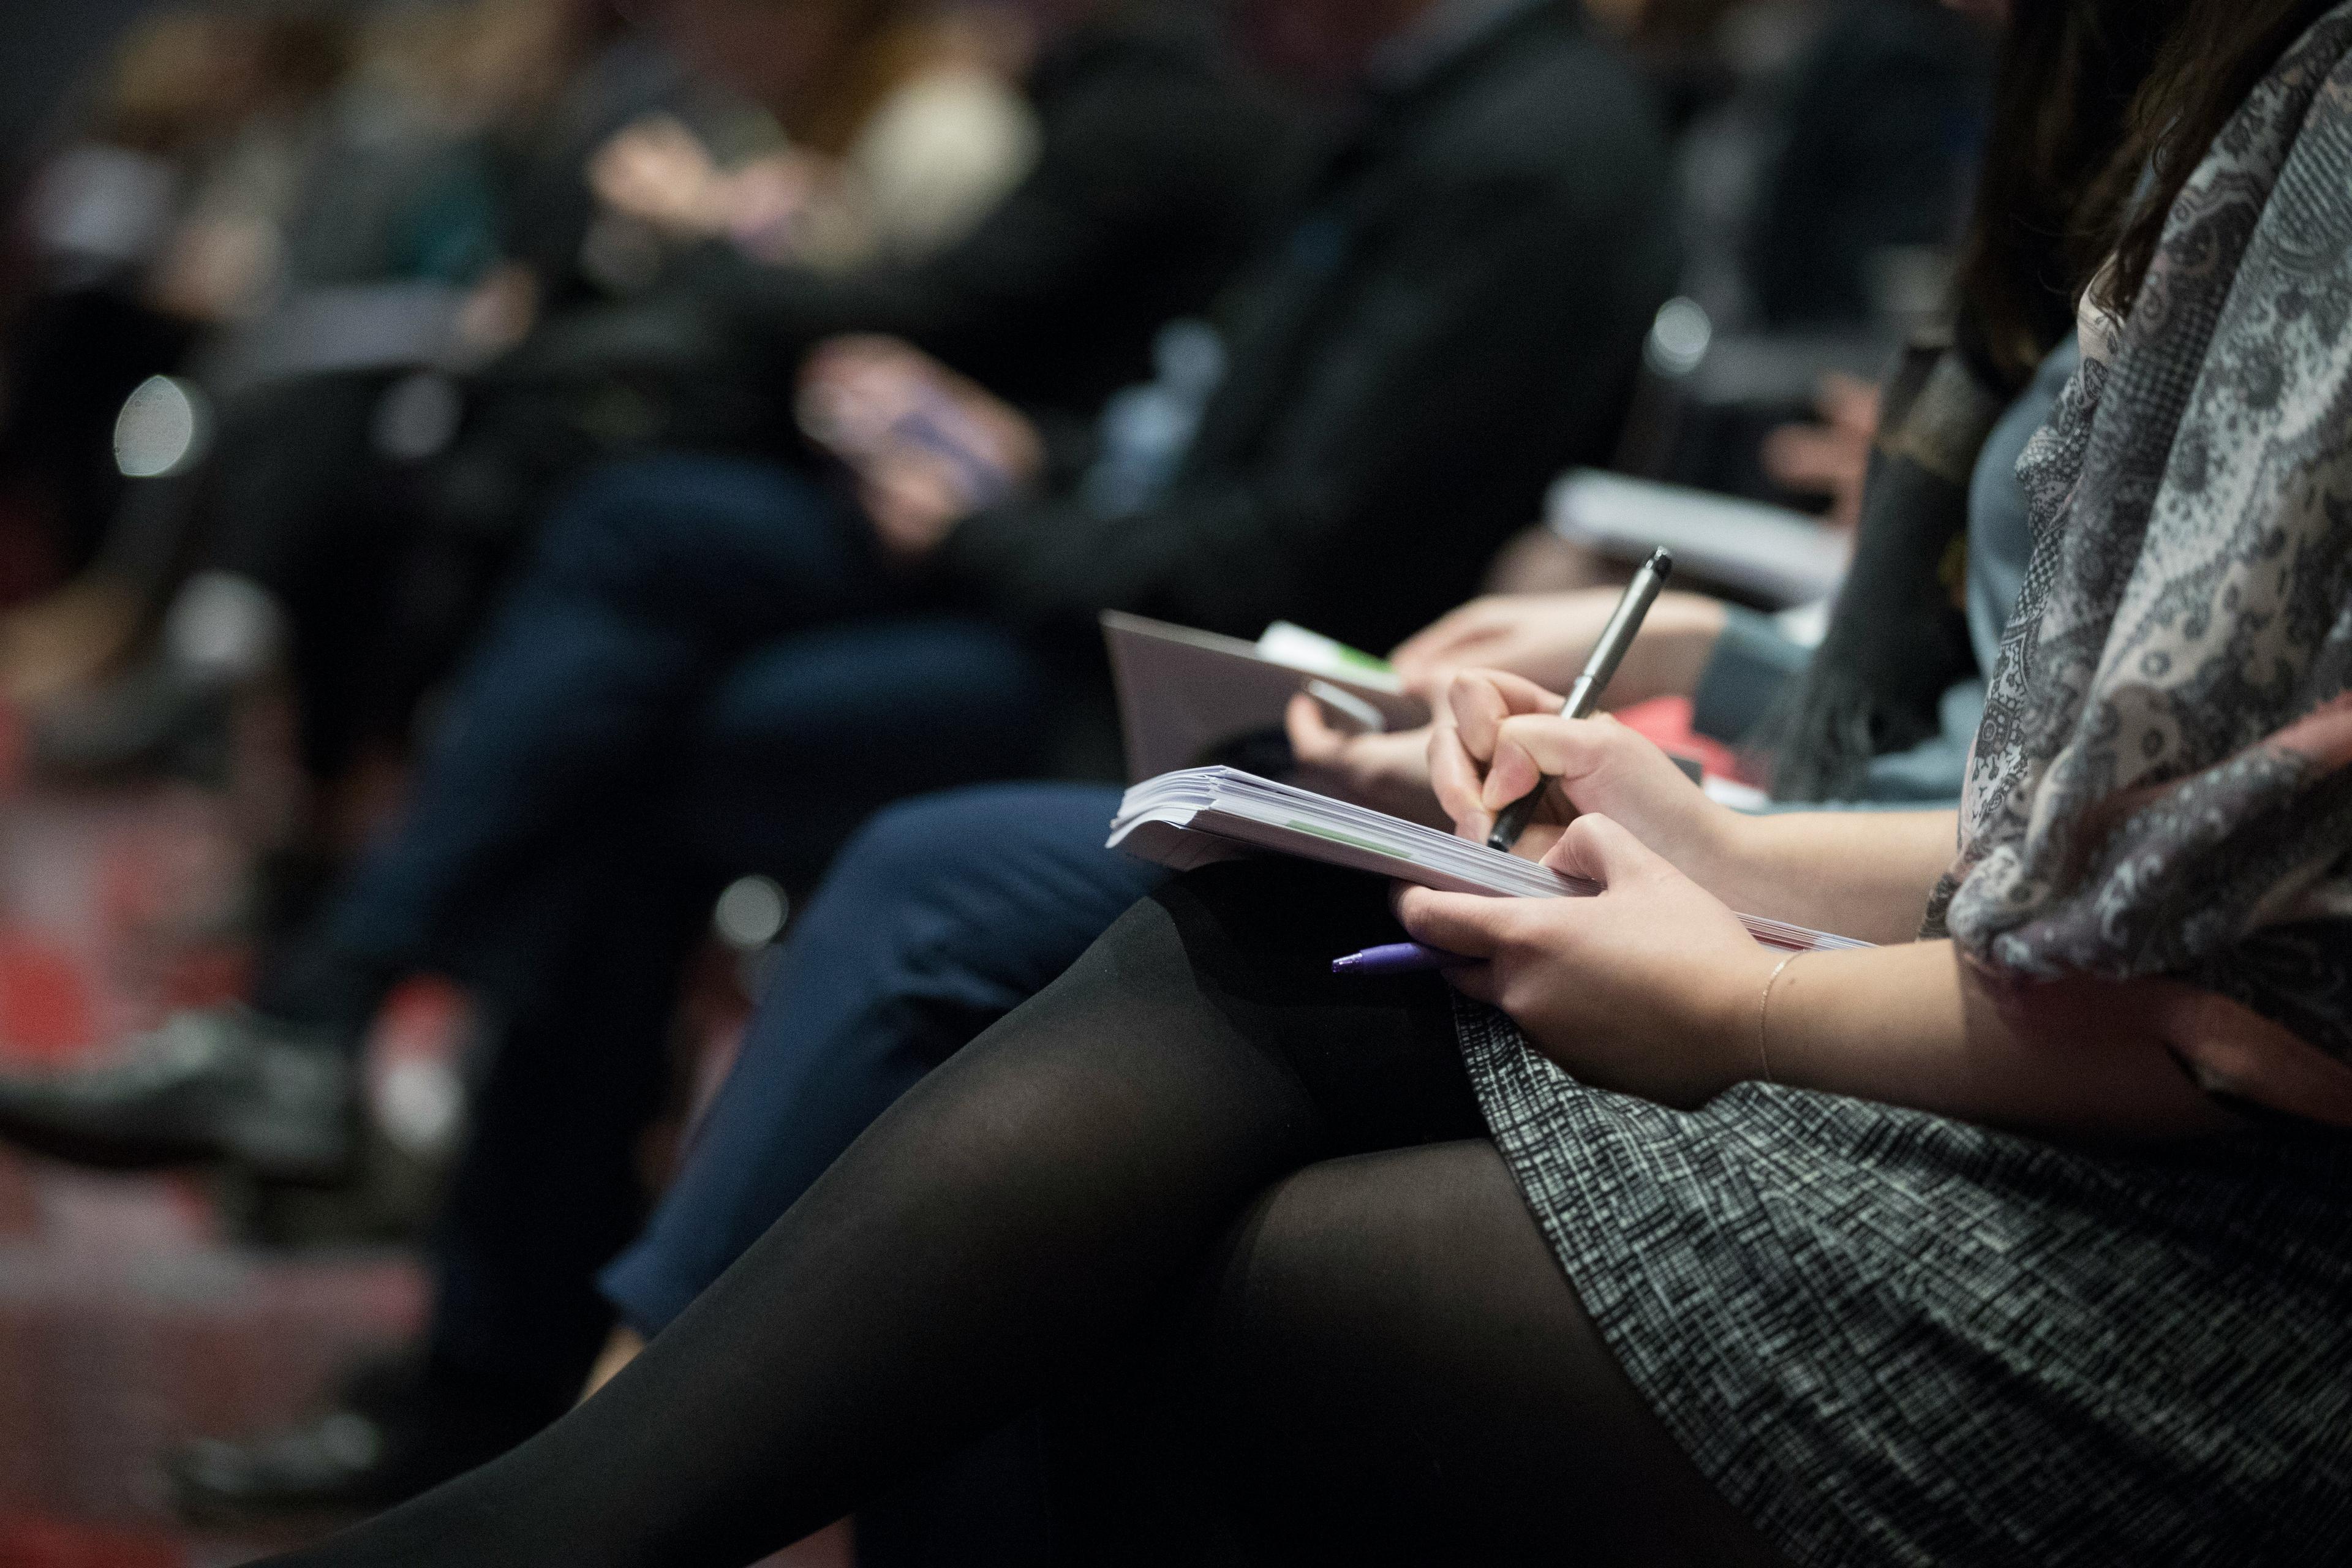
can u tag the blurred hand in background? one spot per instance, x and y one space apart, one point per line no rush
657 172
929 446
1830 458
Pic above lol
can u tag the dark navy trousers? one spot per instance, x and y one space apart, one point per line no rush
704 672
941 916
707 642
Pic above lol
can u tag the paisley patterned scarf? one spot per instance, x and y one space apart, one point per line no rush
2163 782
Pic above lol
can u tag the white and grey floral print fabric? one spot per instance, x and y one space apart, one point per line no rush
2163 782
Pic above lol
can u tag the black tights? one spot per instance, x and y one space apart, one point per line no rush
1198 1165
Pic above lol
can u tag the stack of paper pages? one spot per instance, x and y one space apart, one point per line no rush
1206 815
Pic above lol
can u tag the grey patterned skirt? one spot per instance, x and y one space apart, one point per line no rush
1890 1337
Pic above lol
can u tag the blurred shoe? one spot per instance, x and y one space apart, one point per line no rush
393 1436
159 721
227 1085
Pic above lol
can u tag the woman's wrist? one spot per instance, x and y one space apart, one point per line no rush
1722 854
1865 875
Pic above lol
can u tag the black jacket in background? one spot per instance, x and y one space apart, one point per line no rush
1160 165
1156 171
1454 315
1883 123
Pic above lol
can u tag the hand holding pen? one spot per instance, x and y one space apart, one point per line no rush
1510 825
1584 696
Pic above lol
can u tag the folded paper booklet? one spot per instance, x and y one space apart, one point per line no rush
1186 697
1202 815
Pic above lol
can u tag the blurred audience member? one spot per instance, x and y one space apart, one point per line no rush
157 219
1880 125
358 240
1827 166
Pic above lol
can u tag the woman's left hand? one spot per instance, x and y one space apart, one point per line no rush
1652 988
1388 772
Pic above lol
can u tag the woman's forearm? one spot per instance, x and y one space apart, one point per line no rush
1861 874
1668 658
1914 1026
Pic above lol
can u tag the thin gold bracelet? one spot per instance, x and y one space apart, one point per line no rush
1764 1015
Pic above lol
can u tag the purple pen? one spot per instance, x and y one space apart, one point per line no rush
1397 958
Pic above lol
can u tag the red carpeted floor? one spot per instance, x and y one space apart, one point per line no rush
133 1315
129 1319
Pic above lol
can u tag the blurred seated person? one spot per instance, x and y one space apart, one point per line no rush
1157 168
379 255
1825 145
1451 312
1824 178
1880 121
153 221
1823 184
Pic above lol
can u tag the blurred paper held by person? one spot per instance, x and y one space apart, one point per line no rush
1825 460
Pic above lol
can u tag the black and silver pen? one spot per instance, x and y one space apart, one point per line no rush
1585 694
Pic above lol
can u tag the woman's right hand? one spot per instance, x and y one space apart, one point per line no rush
1506 735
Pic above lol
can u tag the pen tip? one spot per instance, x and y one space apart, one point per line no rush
1662 561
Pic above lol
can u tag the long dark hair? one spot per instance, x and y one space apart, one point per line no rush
2104 110
2215 54
2071 72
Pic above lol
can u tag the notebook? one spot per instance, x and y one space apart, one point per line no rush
1201 815
1185 697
